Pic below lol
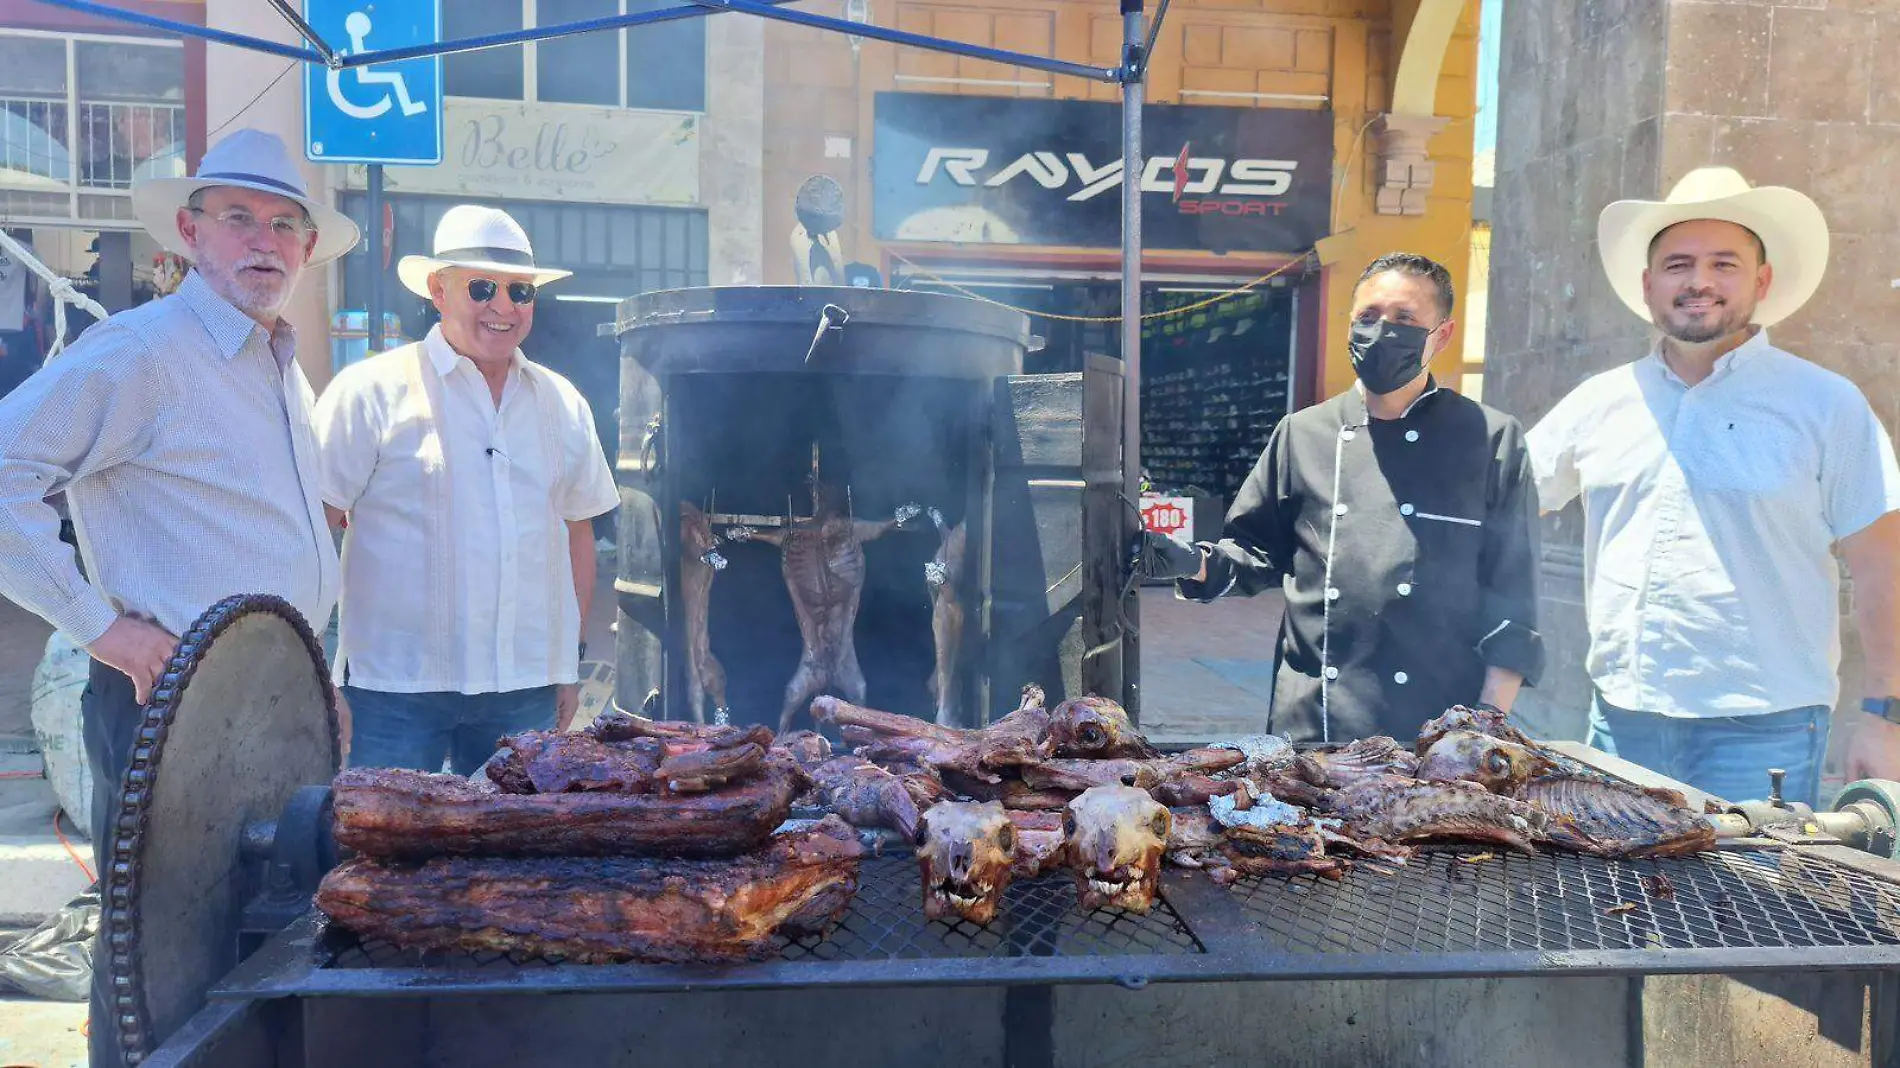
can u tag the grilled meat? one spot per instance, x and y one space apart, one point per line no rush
699 563
1079 775
822 559
944 576
1499 766
1038 842
1096 728
966 854
1476 720
1194 789
1017 739
1283 786
1283 849
594 910
1114 838
808 748
865 795
1395 810
1358 761
1193 837
618 726
395 812
1621 820
696 771
553 762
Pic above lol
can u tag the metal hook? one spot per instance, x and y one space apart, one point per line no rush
832 318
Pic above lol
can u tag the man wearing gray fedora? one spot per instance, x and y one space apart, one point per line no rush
180 433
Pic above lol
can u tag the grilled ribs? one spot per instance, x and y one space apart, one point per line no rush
395 812
1358 761
1621 820
592 910
1395 810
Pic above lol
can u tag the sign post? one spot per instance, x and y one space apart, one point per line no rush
378 114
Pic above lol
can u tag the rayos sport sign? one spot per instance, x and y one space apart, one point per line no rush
1008 171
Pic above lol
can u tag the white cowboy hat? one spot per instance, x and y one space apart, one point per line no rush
247 159
485 239
1791 227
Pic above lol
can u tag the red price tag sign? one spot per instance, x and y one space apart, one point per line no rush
1169 516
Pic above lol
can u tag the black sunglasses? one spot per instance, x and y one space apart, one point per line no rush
482 290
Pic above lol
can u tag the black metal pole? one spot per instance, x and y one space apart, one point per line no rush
1134 65
375 298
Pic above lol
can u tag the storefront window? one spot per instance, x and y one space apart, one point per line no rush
572 70
33 113
495 73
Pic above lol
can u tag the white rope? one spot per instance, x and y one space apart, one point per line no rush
61 289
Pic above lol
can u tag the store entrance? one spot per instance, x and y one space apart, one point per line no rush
1218 374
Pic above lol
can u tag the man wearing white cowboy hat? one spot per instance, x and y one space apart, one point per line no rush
1717 473
470 476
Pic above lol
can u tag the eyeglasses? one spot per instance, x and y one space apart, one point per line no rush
244 224
482 290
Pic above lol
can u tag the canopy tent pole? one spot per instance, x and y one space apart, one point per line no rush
1134 63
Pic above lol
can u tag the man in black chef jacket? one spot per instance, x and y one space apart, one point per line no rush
1400 519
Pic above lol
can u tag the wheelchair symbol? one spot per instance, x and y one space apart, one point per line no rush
357 25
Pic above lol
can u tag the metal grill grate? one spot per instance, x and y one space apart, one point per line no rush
1444 902
886 922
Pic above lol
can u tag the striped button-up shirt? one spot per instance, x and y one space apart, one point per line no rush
456 573
180 433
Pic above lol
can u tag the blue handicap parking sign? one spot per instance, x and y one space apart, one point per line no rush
385 112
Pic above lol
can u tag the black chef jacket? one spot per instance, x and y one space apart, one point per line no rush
1408 552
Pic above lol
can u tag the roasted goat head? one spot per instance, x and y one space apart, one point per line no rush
1114 838
965 852
1499 766
1096 728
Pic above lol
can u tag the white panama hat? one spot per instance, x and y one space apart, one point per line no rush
1791 227
485 239
247 159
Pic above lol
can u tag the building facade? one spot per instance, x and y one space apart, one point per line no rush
87 106
1292 138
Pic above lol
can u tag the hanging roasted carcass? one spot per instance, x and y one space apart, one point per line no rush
823 563
944 576
700 561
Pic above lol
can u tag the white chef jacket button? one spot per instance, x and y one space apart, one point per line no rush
1339 509
1332 593
1405 589
1332 673
1401 677
1346 433
1411 435
1405 509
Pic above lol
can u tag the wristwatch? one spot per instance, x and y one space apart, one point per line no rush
1887 708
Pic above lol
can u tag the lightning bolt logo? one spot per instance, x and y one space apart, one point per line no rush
1181 172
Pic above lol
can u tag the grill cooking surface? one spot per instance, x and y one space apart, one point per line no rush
1446 903
1447 913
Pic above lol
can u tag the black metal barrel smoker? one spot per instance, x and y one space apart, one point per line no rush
1782 947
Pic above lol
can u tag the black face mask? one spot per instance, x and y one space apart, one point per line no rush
1387 355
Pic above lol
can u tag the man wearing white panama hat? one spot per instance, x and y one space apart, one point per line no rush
470 476
1717 473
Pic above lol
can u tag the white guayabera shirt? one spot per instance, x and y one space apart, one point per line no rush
1709 516
456 573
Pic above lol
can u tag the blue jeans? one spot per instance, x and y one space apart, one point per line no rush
416 730
1728 756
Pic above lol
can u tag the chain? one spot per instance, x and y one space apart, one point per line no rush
1228 294
131 1016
